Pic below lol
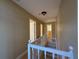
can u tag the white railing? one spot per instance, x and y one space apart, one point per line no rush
54 52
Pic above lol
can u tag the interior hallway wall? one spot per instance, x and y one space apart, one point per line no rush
68 25
14 29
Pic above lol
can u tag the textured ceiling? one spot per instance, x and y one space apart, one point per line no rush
35 7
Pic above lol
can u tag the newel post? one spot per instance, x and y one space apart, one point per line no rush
71 52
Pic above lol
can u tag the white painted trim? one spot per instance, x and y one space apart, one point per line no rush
21 55
51 50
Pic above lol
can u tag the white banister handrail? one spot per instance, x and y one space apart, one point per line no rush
51 50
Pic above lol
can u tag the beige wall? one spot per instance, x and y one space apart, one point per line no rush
68 25
14 29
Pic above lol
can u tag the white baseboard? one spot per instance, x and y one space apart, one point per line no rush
21 55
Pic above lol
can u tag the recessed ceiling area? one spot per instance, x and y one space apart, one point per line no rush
35 7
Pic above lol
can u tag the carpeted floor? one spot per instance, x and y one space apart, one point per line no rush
42 57
25 56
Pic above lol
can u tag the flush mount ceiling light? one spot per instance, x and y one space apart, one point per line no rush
43 13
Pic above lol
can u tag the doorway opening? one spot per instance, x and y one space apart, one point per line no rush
49 31
32 30
41 30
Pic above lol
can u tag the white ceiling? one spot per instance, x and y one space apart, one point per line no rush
35 7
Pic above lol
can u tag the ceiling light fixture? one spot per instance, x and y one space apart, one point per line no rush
43 13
